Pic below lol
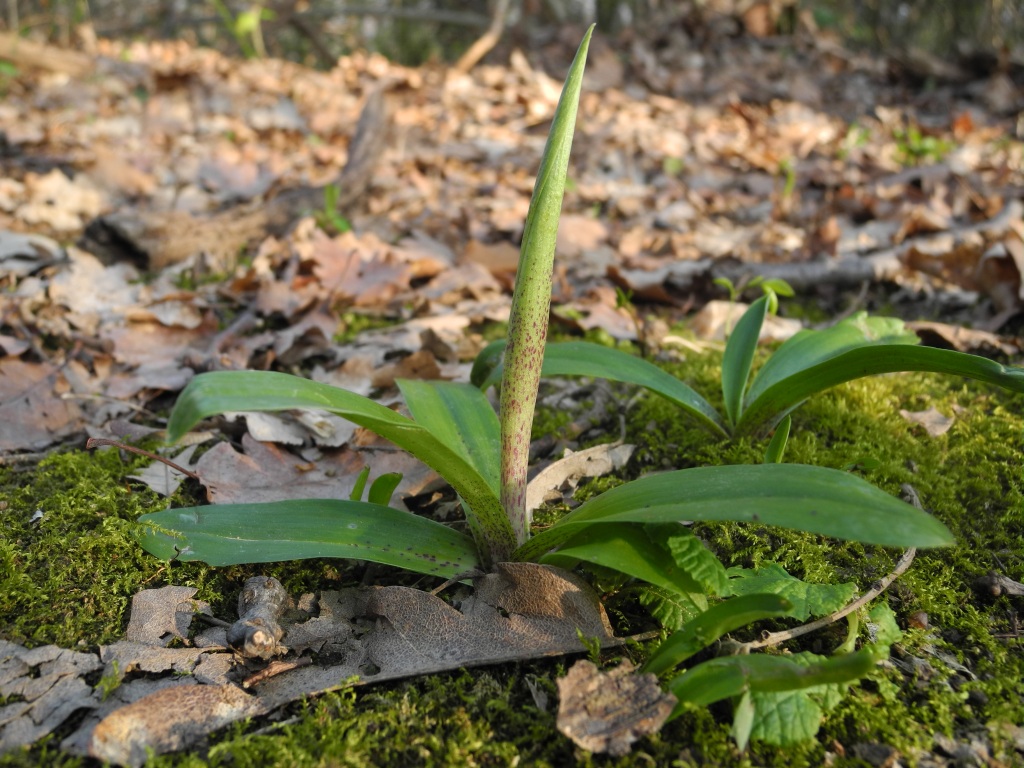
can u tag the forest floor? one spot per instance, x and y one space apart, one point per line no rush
867 184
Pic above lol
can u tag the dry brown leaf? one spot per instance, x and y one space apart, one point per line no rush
562 476
168 720
934 423
159 616
962 339
45 686
608 711
32 411
716 319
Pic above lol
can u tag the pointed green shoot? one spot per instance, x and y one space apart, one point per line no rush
531 301
739 355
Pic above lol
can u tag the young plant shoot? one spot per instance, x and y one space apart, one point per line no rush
633 529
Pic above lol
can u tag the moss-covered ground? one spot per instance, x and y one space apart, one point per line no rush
67 577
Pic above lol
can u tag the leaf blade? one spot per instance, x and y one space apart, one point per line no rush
739 356
779 398
231 534
221 391
718 620
814 499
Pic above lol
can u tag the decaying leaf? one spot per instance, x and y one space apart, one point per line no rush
361 635
552 482
45 686
159 616
170 719
934 423
608 711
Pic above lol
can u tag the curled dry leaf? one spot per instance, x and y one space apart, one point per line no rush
566 473
934 423
608 711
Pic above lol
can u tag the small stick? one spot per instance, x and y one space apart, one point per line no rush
96 442
774 638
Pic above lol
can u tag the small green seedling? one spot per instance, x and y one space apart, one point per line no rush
633 529
328 218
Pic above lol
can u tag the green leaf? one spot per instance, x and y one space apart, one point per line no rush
697 560
743 720
671 609
628 549
883 627
360 485
230 534
786 717
383 487
777 447
789 717
460 416
718 620
487 368
583 358
813 361
531 300
739 355
223 391
807 599
730 676
813 499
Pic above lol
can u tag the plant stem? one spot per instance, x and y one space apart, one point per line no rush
531 302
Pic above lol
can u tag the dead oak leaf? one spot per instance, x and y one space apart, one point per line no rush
608 711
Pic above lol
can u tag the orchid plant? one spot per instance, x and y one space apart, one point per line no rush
633 529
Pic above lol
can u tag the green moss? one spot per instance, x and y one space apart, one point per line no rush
81 553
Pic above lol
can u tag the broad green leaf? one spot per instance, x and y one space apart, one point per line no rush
383 487
730 676
718 620
811 347
460 416
531 300
813 361
789 717
739 355
813 499
697 560
628 549
785 717
668 607
213 393
583 358
807 599
777 447
230 534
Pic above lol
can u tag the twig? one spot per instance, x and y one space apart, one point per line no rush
775 638
96 442
485 42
